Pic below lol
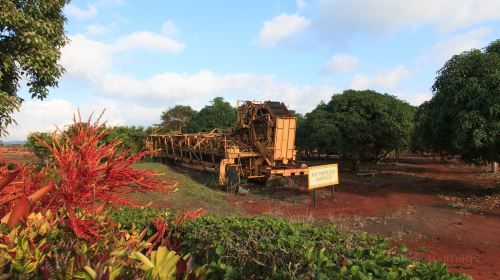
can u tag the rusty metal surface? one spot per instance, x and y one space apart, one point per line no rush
260 146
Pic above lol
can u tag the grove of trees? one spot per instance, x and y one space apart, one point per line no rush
218 114
132 139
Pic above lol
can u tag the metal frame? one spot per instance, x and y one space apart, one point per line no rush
260 146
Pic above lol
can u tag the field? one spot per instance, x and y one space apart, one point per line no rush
445 211
441 211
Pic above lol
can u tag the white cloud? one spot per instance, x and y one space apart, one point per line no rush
97 30
279 28
301 4
36 115
151 41
169 28
444 50
45 116
166 89
339 19
78 13
91 62
341 64
418 99
388 79
86 58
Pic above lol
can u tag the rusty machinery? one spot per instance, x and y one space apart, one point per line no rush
261 146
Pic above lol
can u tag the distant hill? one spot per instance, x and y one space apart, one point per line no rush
18 142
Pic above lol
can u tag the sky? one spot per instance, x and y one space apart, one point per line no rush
136 59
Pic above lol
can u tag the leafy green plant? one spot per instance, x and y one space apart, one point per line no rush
47 248
270 248
40 150
24 249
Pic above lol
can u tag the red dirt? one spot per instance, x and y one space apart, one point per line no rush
402 203
471 246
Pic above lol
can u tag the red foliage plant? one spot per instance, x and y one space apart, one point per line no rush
162 226
84 172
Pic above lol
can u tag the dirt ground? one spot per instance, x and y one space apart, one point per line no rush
441 211
446 212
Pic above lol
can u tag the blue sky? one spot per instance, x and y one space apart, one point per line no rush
138 58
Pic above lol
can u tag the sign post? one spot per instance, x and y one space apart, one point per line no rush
322 176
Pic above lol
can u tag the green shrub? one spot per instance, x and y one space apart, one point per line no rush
38 149
271 248
46 248
132 218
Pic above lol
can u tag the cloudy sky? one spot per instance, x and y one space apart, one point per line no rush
137 58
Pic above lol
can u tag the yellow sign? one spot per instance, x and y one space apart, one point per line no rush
323 175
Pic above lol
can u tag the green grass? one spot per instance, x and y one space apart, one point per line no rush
195 190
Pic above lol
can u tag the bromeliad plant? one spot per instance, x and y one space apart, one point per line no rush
84 173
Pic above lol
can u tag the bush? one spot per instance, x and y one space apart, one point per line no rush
131 218
133 138
271 248
38 148
46 248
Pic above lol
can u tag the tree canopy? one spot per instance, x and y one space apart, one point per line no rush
463 116
133 138
31 36
38 149
218 114
178 117
358 125
317 131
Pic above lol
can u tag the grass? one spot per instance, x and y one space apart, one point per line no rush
195 190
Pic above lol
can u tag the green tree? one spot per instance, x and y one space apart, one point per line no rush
38 149
31 36
178 117
219 114
317 132
358 125
133 137
463 116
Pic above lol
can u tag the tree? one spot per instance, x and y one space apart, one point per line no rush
463 116
178 117
358 125
219 114
39 149
133 138
31 36
318 132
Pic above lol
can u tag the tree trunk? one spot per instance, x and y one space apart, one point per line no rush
355 164
494 167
